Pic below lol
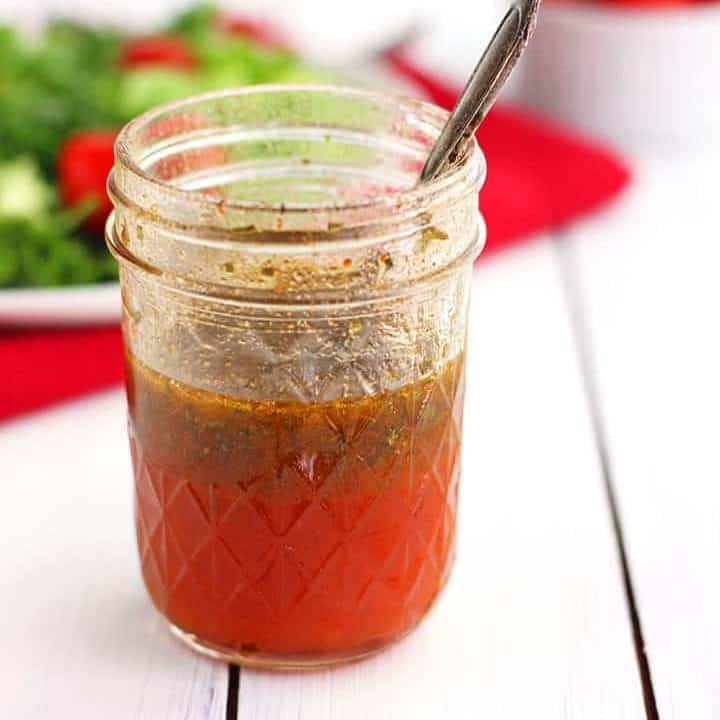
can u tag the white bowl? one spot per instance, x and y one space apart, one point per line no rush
630 75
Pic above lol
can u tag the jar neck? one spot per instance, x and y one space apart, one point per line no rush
292 195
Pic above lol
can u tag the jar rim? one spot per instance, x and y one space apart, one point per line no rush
468 172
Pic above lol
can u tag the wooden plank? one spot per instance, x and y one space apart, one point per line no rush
648 275
534 622
79 638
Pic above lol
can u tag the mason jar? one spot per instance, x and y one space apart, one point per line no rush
294 316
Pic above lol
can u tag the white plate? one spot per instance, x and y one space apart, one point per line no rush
100 304
81 305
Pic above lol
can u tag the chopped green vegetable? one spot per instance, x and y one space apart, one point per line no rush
41 244
143 88
23 191
235 55
195 21
43 252
65 81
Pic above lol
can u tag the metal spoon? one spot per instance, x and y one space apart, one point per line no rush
486 81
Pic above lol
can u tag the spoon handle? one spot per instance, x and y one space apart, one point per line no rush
486 81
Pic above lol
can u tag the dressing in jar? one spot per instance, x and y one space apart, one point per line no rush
295 313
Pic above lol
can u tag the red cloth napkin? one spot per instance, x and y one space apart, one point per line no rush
540 177
39 368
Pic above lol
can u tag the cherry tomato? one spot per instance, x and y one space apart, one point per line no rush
84 162
261 32
164 50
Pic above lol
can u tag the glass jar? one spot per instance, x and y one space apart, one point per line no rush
295 322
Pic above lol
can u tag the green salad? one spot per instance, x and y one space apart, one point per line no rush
63 98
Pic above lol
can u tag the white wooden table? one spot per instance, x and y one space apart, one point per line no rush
588 577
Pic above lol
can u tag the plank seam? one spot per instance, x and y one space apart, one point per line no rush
233 692
581 337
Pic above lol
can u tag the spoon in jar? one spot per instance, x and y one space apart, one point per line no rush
486 81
